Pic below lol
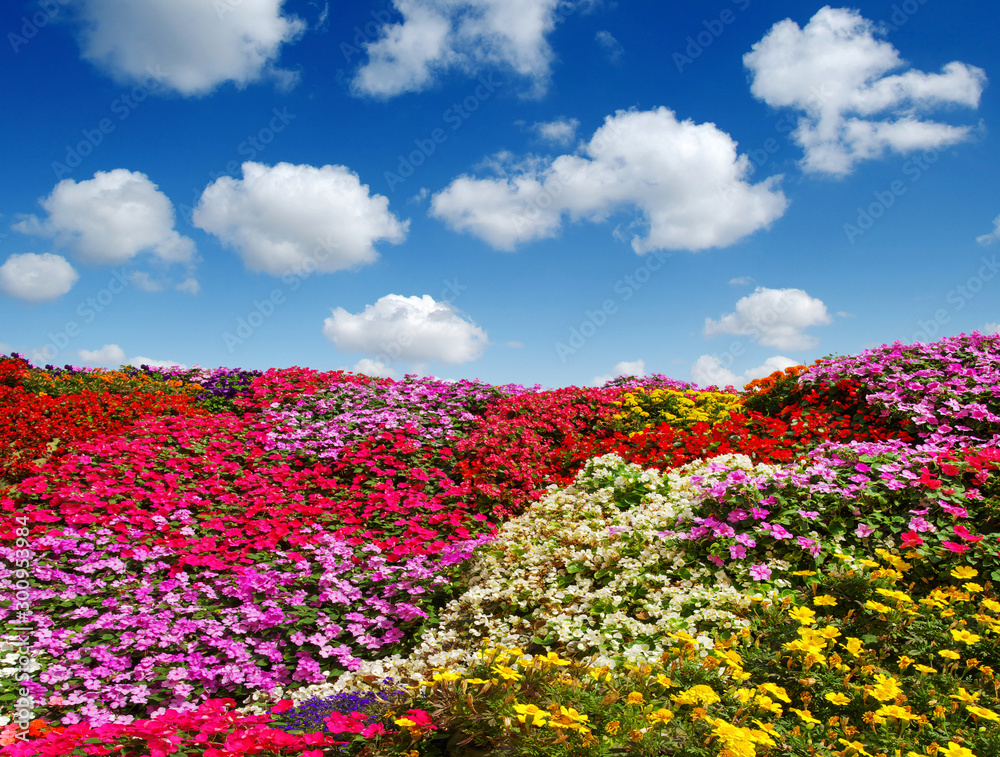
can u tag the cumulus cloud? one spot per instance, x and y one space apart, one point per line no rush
685 180
837 74
109 354
708 371
113 356
562 131
415 329
110 219
993 235
298 218
192 46
37 278
773 318
624 368
370 367
611 47
437 36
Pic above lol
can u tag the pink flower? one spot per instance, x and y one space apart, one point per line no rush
760 572
864 530
953 547
716 560
963 533
912 539
737 551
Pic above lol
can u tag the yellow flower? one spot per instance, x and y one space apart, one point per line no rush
855 747
893 711
805 715
954 750
871 604
830 632
972 587
854 645
699 694
634 698
802 614
991 605
450 676
775 690
960 634
508 674
530 714
568 717
837 698
665 682
612 728
886 688
965 696
553 659
950 654
905 661
981 712
804 573
825 600
405 722
963 572
476 680
660 716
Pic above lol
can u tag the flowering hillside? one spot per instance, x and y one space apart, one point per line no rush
230 563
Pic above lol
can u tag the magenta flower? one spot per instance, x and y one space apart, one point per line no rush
864 530
963 533
737 551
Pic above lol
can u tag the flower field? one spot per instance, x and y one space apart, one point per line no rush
228 563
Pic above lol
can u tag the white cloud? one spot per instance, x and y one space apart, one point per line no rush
108 355
993 235
836 72
685 180
436 36
991 328
562 131
113 356
370 367
140 361
110 219
624 368
189 285
516 345
298 218
142 280
741 281
415 329
194 45
774 318
612 48
37 278
708 371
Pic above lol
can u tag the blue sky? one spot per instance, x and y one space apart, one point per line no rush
521 191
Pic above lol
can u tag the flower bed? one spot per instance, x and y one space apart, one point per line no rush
318 563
